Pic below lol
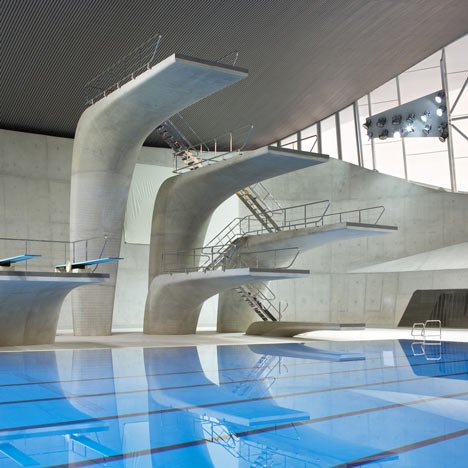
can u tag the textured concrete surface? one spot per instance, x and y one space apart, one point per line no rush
185 203
234 315
427 219
138 340
174 300
31 302
108 139
290 329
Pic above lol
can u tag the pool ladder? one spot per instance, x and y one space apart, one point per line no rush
431 349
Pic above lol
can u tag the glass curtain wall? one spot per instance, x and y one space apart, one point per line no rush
422 160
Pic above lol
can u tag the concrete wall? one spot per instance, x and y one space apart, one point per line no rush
427 219
35 190
35 203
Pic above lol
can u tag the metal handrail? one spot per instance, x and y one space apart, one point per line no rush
359 211
281 218
70 247
236 56
421 327
199 148
300 140
212 258
239 227
152 44
269 251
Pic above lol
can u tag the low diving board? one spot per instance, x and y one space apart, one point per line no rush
82 265
6 262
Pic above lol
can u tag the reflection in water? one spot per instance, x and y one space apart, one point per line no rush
70 432
249 406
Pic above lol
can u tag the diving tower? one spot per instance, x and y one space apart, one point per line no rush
109 136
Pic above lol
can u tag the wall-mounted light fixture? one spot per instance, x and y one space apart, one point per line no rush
419 118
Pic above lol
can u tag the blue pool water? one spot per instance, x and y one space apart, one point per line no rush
383 404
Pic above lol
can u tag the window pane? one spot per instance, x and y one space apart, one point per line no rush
429 168
309 139
415 84
455 84
328 134
384 98
290 142
461 169
389 157
456 55
348 136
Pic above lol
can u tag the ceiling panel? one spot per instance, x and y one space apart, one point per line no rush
306 59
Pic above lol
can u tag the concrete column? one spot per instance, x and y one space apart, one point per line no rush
108 139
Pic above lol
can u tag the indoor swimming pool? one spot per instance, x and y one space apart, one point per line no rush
317 404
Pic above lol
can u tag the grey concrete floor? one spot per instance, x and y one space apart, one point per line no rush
132 340
136 339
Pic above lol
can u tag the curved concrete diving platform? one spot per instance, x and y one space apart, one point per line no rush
30 304
290 329
175 299
108 139
182 211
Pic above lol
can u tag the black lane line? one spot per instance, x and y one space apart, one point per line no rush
277 427
211 384
212 405
295 364
403 449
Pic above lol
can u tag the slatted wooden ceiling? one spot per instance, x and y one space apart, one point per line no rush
307 58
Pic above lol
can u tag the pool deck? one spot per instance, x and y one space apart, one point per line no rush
138 339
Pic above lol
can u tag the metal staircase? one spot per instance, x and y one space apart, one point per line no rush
267 216
261 300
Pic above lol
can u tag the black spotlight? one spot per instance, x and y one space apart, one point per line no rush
425 117
411 118
368 123
383 134
396 120
427 129
439 97
443 132
381 122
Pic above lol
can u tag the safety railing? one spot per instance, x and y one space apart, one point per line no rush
215 149
370 215
54 252
295 144
126 69
293 217
211 258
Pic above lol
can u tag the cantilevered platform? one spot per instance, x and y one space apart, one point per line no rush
174 300
290 329
30 304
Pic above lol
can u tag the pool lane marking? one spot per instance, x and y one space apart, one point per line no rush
222 403
343 371
179 387
402 449
295 364
165 448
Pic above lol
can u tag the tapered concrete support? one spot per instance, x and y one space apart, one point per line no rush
234 315
184 206
30 304
107 143
177 298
